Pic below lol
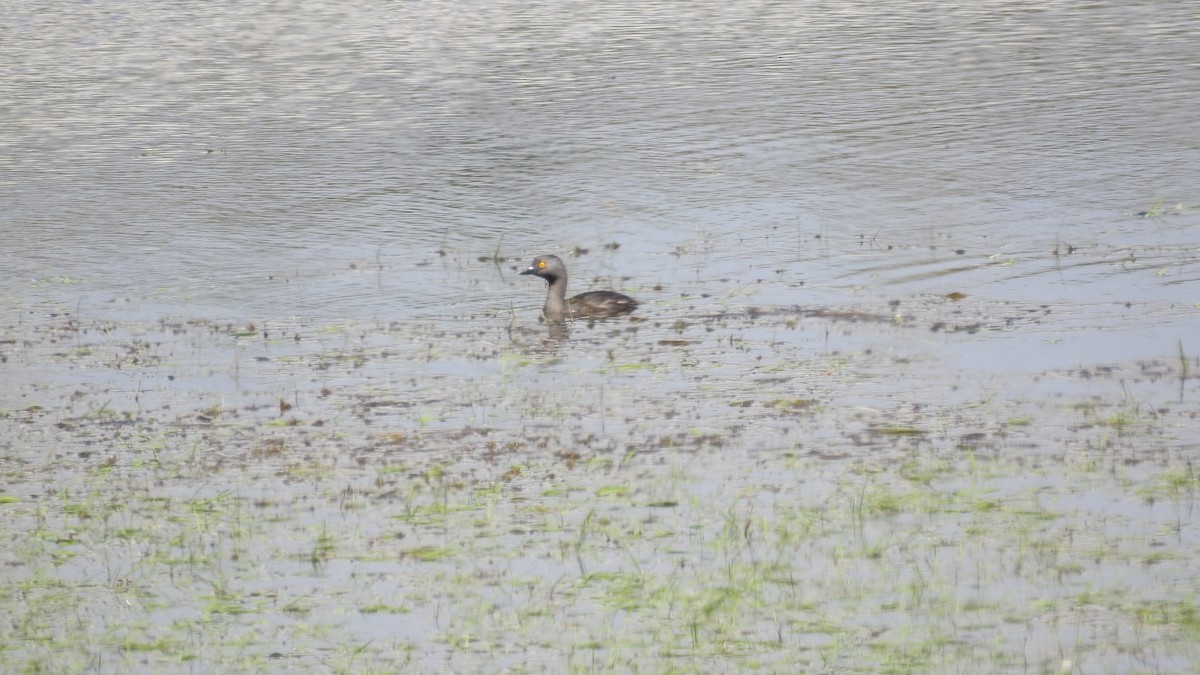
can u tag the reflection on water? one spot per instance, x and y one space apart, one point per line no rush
268 254
240 160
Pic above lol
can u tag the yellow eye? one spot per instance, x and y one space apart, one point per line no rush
541 264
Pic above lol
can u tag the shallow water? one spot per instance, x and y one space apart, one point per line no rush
238 162
269 369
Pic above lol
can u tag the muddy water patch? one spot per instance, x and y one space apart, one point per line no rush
439 492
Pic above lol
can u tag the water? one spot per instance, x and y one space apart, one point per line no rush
267 361
263 159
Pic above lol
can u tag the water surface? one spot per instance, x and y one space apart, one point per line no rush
916 350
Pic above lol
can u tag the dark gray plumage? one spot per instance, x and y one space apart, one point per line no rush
590 305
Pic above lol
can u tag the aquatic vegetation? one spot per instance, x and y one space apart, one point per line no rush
673 500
